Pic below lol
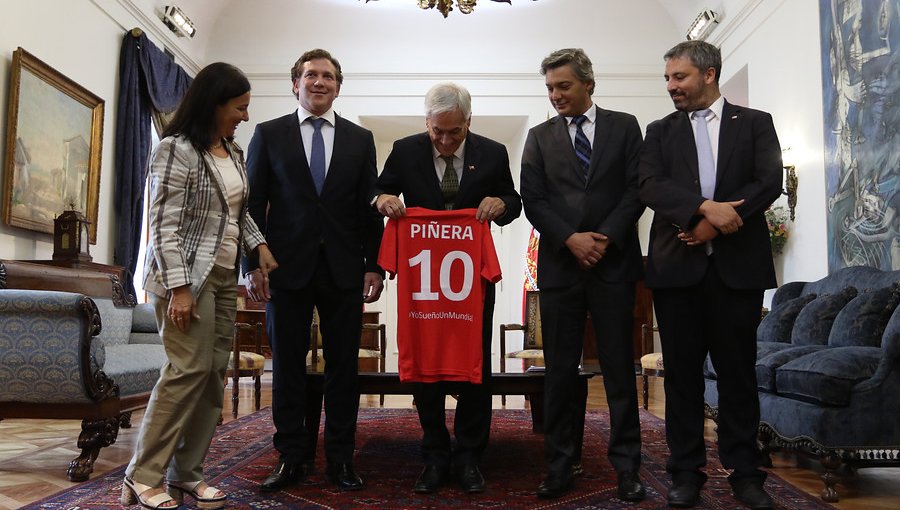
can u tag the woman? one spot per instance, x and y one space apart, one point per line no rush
198 224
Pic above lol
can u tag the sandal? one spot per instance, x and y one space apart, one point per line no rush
206 496
134 493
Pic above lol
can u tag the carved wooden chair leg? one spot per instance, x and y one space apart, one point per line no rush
831 462
645 387
95 434
257 389
125 420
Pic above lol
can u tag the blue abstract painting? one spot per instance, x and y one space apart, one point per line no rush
861 94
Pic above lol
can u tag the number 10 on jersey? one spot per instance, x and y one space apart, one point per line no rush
423 260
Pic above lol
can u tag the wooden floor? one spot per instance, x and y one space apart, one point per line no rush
34 453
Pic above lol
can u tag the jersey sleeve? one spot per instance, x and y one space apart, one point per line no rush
490 265
387 254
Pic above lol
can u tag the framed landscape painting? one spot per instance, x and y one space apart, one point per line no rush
53 146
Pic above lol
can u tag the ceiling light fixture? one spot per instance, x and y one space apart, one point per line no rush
445 6
702 26
175 19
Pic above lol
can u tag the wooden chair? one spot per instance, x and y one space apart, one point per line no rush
532 345
372 345
250 364
651 363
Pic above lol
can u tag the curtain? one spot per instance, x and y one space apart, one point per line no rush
149 80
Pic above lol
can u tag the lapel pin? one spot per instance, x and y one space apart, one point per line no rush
471 168
733 117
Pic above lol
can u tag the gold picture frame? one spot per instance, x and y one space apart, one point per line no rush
53 146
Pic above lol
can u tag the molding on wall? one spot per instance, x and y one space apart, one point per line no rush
154 29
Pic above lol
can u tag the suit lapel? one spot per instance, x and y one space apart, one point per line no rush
424 162
471 162
561 137
729 126
602 127
684 138
297 152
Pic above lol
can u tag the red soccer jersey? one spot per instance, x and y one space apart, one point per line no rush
443 260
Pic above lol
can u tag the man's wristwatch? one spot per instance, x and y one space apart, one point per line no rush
374 200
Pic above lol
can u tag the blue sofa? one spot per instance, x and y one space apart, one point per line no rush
828 372
73 346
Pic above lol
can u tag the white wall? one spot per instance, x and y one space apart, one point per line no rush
779 43
81 39
392 52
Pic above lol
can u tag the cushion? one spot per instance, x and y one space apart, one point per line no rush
527 354
115 322
813 323
652 361
144 319
135 368
827 377
862 320
248 361
767 365
776 325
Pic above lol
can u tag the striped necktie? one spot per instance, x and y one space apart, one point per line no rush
582 145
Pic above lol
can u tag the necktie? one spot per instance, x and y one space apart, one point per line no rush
317 156
705 161
449 183
582 145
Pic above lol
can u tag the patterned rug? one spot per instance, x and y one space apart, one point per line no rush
389 462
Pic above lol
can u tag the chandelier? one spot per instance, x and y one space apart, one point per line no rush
445 6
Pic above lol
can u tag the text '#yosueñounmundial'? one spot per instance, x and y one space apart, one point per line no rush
441 315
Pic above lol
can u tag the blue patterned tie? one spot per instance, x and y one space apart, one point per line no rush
706 164
317 156
582 145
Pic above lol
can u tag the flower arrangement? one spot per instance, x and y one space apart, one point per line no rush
776 218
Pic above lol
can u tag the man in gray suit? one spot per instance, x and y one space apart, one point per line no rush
579 190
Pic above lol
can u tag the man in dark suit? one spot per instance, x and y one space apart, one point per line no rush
311 176
579 189
709 171
449 167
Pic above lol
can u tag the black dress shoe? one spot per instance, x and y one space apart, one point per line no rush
751 493
684 495
430 479
470 478
630 487
555 485
343 475
284 475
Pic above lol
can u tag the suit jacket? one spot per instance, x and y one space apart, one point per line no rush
409 170
298 223
749 167
558 202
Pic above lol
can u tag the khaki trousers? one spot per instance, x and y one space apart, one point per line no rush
187 400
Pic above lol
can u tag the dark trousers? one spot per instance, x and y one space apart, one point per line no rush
563 315
472 421
693 321
288 322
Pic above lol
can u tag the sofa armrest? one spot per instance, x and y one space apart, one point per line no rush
46 350
890 361
787 292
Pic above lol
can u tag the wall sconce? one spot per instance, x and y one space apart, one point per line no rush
174 18
790 188
702 26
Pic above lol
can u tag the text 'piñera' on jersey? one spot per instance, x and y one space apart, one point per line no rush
443 261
